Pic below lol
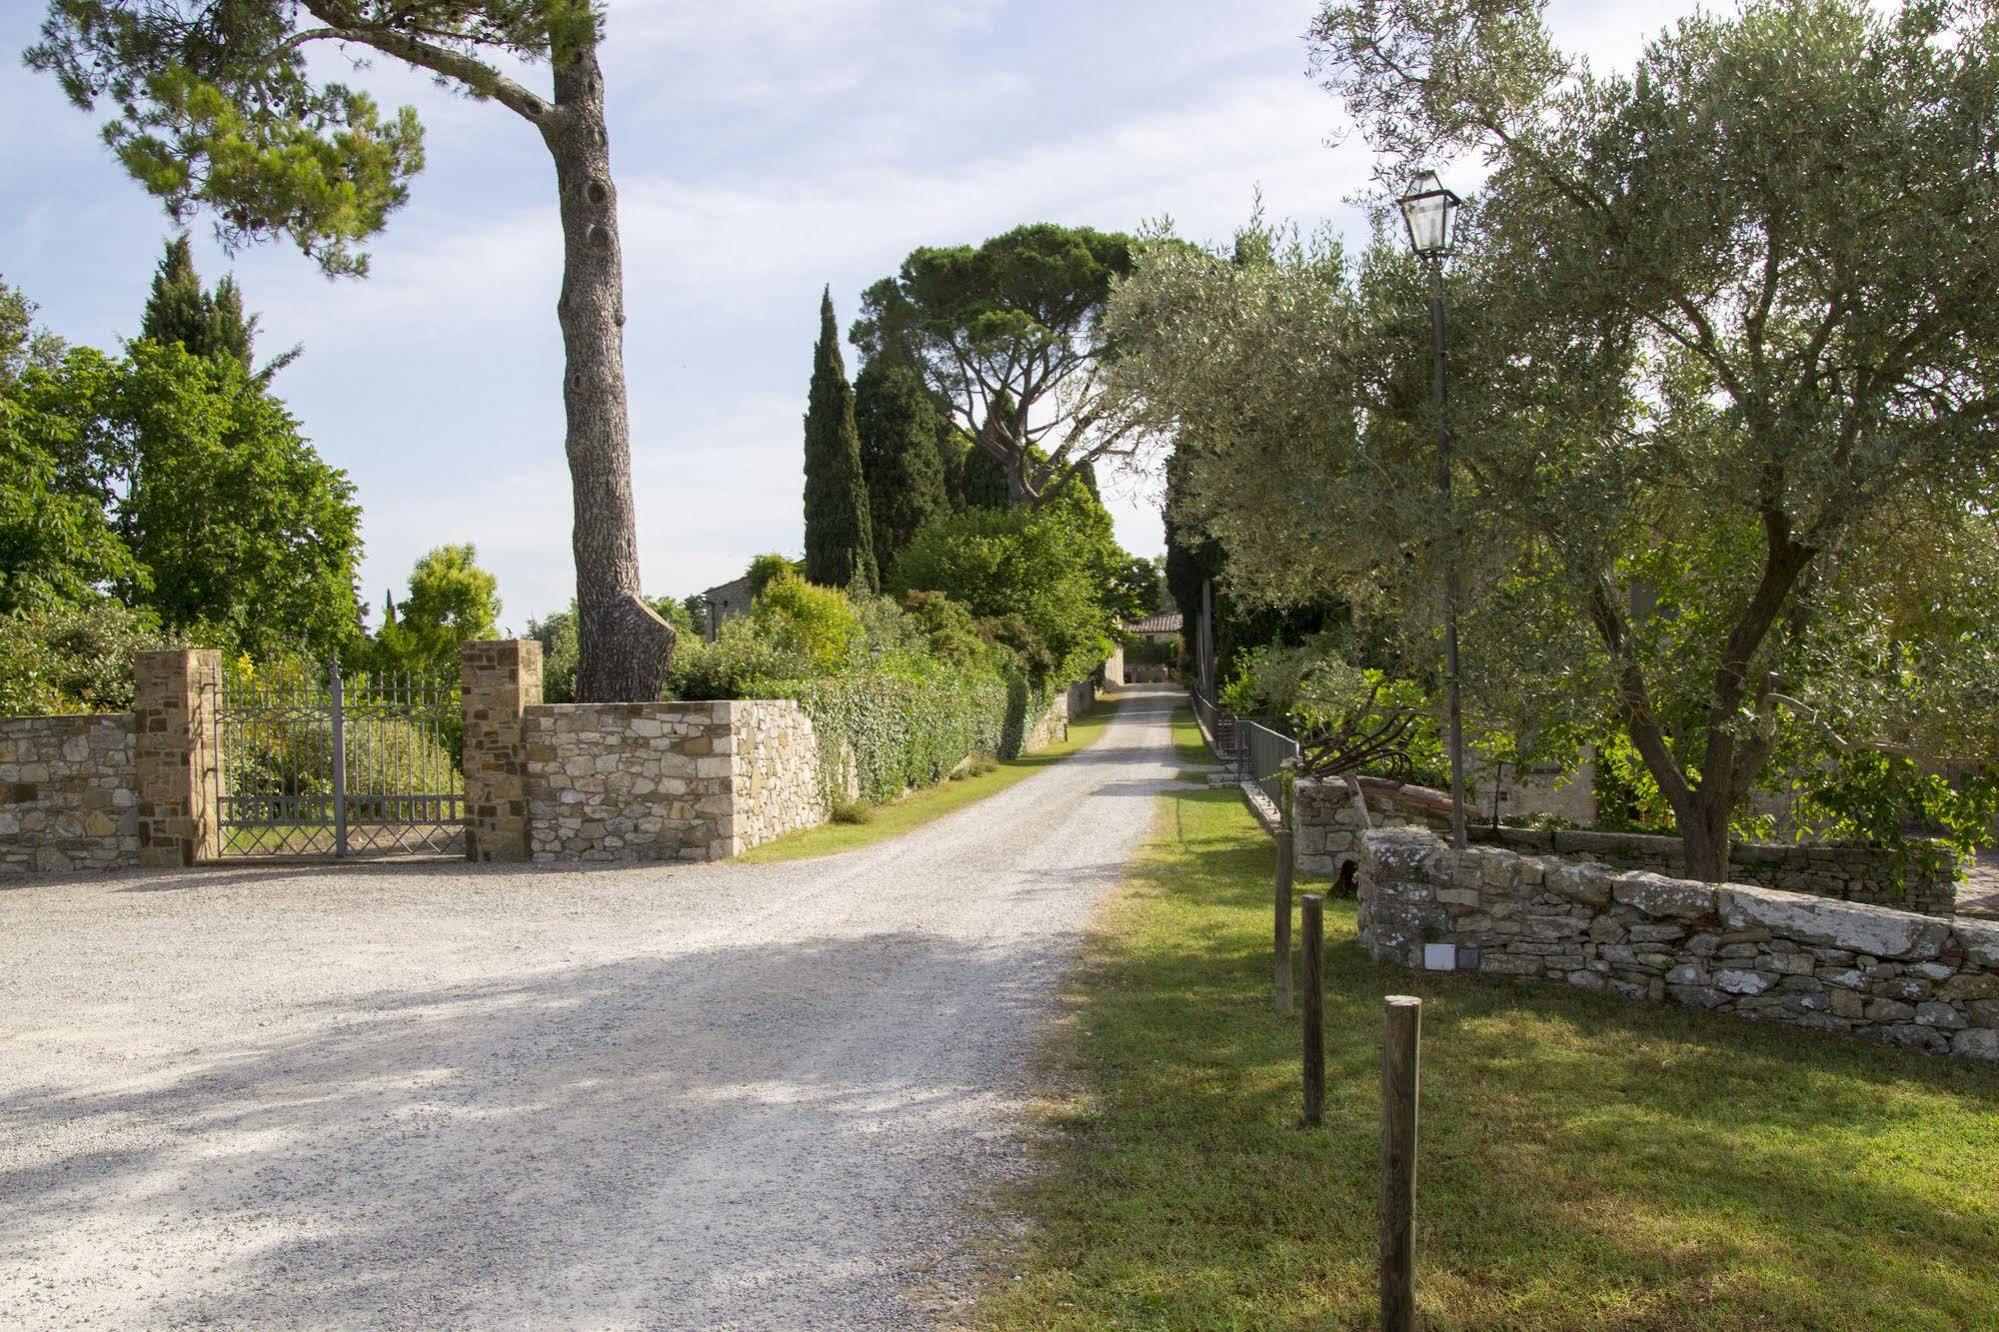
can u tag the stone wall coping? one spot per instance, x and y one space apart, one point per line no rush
81 721
1876 931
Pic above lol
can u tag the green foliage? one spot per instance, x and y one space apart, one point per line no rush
1007 331
23 342
60 659
202 323
215 109
839 541
1871 797
176 483
765 569
816 625
1047 577
899 428
451 602
983 482
245 536
59 541
852 811
1657 310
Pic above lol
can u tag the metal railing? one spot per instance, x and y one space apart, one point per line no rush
1260 755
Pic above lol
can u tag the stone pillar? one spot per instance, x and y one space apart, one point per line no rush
177 757
501 681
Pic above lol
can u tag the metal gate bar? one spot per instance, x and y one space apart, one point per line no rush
321 765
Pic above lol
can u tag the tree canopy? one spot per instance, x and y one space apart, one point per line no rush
217 107
1010 333
901 461
1722 383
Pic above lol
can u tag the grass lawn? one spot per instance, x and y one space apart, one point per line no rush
920 807
1586 1162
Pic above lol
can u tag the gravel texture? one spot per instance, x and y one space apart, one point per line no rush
421 1096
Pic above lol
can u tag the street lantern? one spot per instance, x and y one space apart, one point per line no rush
1429 210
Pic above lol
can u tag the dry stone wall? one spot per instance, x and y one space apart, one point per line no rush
1741 949
1329 832
68 793
666 781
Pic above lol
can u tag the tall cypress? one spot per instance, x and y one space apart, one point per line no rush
986 483
839 543
898 425
204 323
177 309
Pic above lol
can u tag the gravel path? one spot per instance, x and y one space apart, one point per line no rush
421 1096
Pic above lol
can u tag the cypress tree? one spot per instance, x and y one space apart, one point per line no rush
839 545
210 324
898 425
986 484
177 309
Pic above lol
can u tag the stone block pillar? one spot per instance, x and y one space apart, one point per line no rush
177 756
501 681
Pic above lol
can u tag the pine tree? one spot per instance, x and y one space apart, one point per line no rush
898 426
209 324
839 545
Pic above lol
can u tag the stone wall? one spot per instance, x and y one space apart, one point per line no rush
1741 949
1329 831
68 793
666 781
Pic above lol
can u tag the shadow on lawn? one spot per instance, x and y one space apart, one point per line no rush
1576 1147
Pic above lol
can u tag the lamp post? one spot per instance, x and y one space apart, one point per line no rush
1429 211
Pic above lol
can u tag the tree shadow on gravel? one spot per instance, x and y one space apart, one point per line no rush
670 1140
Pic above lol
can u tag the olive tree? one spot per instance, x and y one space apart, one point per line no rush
216 108
1719 340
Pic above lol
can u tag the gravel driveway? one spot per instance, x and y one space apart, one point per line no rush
422 1096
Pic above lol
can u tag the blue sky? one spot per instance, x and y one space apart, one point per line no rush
762 150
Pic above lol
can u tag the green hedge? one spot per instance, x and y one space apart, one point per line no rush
891 732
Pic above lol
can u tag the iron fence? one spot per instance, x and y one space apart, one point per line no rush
1260 756
317 764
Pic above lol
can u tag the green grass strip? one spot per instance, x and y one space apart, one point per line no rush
1586 1162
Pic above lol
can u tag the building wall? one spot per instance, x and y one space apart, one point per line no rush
68 793
1740 949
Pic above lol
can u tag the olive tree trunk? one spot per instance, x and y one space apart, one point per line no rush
625 646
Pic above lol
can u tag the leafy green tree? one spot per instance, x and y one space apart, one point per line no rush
1010 333
1042 571
451 602
204 323
242 533
59 545
216 108
899 428
23 342
839 540
1718 336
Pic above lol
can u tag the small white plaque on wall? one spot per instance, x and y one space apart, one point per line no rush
1440 957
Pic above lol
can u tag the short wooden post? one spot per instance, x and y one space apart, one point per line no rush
1281 934
1312 918
1402 1034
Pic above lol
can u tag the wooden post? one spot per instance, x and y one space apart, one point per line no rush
1312 917
1401 1036
1281 935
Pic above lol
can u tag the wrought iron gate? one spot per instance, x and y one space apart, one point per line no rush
314 764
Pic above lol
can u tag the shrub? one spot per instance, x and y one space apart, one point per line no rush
72 658
852 811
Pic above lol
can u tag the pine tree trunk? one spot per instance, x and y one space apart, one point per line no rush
625 647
